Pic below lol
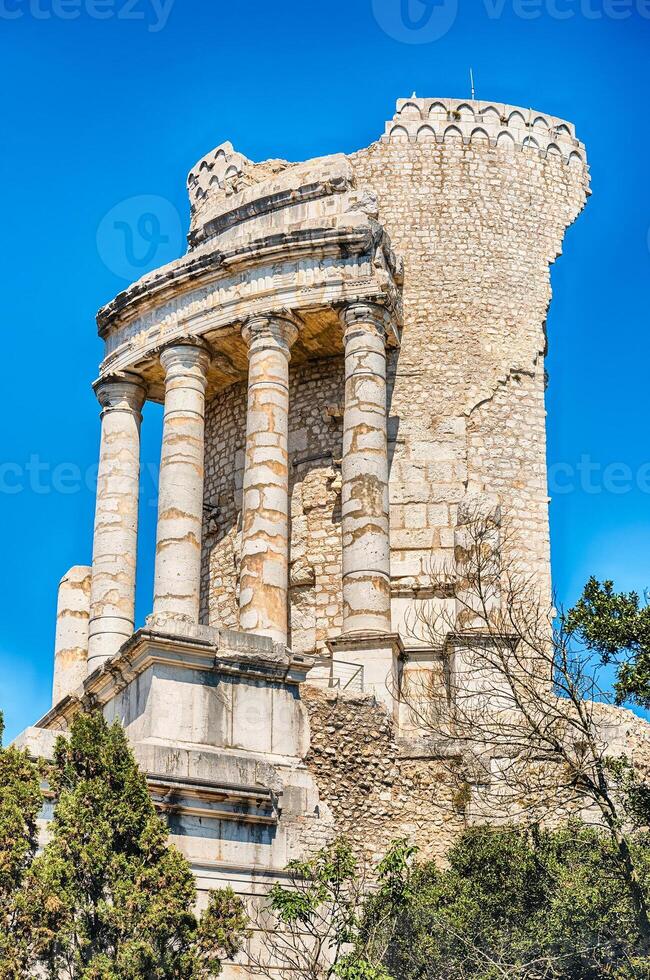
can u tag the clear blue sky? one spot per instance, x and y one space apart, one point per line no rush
106 100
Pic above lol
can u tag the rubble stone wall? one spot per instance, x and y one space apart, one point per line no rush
377 793
379 787
315 447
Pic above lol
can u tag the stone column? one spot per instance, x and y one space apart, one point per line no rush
264 575
112 593
177 575
364 493
71 643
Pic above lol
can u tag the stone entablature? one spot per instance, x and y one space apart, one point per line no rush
304 242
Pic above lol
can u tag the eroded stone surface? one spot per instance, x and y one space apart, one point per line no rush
264 575
71 643
115 542
180 503
364 474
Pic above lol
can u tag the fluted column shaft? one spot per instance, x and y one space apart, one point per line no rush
177 576
112 592
364 493
264 575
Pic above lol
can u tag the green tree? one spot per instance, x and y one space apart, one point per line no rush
318 928
20 802
519 903
525 706
617 627
109 898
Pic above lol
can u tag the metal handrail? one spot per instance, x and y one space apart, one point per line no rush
350 678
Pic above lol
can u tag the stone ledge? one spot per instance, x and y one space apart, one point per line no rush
185 646
213 801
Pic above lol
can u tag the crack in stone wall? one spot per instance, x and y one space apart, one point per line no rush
477 227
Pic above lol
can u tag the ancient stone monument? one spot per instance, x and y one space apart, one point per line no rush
351 350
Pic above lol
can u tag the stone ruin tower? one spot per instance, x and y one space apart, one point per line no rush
350 353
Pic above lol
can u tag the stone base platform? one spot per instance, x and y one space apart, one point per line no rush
217 725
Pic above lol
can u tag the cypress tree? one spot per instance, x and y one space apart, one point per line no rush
109 898
20 802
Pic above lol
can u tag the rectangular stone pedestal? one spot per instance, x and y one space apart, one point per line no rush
379 654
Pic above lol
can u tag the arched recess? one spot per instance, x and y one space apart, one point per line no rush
410 111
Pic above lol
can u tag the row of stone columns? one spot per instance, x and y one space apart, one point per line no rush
265 521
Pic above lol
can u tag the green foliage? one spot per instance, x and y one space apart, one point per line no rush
20 802
521 904
355 967
321 905
222 928
617 627
633 791
511 902
109 899
324 881
327 930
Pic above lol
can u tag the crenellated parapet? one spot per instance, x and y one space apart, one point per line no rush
496 123
219 176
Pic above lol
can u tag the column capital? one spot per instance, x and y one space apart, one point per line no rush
274 331
121 393
185 357
369 316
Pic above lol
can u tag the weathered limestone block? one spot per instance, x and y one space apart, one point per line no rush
71 643
177 581
115 543
264 577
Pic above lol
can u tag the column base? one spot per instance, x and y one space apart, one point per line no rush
379 654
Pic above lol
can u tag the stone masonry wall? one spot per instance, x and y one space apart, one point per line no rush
375 792
315 447
379 787
506 455
477 227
